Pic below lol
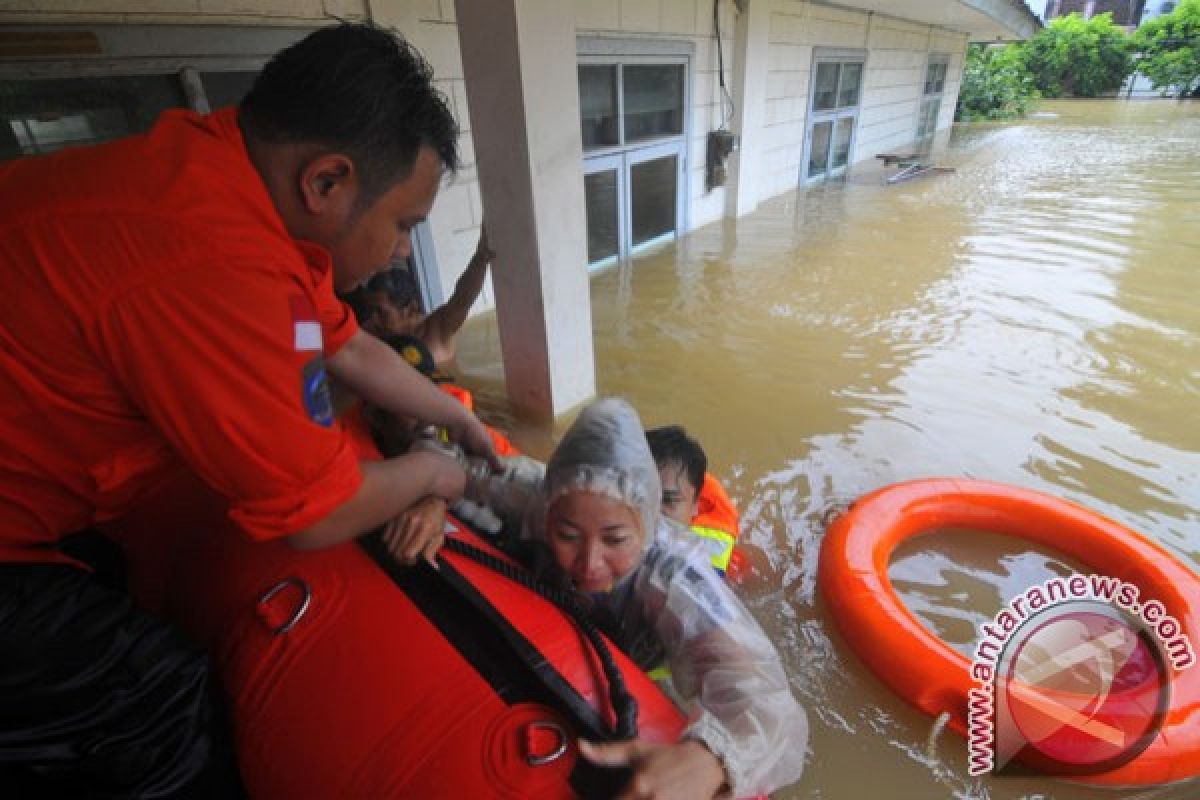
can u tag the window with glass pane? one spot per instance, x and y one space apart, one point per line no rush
41 116
825 87
226 88
935 77
818 151
843 130
652 186
598 105
927 118
600 198
849 84
653 97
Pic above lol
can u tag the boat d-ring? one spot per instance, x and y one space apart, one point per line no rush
301 608
553 755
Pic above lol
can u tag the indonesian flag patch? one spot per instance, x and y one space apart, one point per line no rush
307 330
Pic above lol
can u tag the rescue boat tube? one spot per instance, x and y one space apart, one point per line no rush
348 680
934 677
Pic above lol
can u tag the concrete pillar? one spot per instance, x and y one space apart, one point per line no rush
749 99
519 63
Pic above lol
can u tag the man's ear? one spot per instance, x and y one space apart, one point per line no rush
328 183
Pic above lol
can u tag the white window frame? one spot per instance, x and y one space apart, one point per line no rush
817 117
623 156
932 97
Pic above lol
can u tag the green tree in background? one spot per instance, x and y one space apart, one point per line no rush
995 84
1074 56
1170 49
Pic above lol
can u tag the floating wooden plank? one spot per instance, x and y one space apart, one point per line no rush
890 159
914 171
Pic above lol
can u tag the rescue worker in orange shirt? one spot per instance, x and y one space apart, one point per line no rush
692 496
167 303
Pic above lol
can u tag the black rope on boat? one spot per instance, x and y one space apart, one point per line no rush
624 704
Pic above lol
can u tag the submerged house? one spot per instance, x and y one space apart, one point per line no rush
591 129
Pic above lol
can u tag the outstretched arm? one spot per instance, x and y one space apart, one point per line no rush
383 379
513 493
440 329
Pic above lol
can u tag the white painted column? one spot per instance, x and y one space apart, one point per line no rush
751 41
519 63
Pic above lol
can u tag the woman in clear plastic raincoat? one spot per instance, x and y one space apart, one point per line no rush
595 513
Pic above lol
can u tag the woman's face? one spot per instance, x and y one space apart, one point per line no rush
595 539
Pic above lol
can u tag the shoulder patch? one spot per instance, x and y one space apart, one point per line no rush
314 391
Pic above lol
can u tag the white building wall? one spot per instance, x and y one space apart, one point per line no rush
688 20
790 39
458 213
897 54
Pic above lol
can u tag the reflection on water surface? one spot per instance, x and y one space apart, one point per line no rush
1032 319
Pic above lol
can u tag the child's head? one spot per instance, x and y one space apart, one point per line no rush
389 303
602 496
681 467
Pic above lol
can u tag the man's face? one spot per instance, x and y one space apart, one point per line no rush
679 497
371 237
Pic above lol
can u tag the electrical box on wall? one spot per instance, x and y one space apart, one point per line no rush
720 145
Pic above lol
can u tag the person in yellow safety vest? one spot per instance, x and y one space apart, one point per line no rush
692 496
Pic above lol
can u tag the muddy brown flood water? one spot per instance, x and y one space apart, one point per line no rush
1033 318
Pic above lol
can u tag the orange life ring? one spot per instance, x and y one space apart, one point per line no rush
934 677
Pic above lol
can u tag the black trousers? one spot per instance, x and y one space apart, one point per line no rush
100 700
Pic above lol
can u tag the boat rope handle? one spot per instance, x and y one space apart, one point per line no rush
624 704
559 750
301 608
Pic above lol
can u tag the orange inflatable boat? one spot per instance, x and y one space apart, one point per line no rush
934 677
348 676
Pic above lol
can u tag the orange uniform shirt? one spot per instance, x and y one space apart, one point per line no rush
154 311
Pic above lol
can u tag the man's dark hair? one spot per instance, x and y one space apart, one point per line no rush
671 446
359 90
